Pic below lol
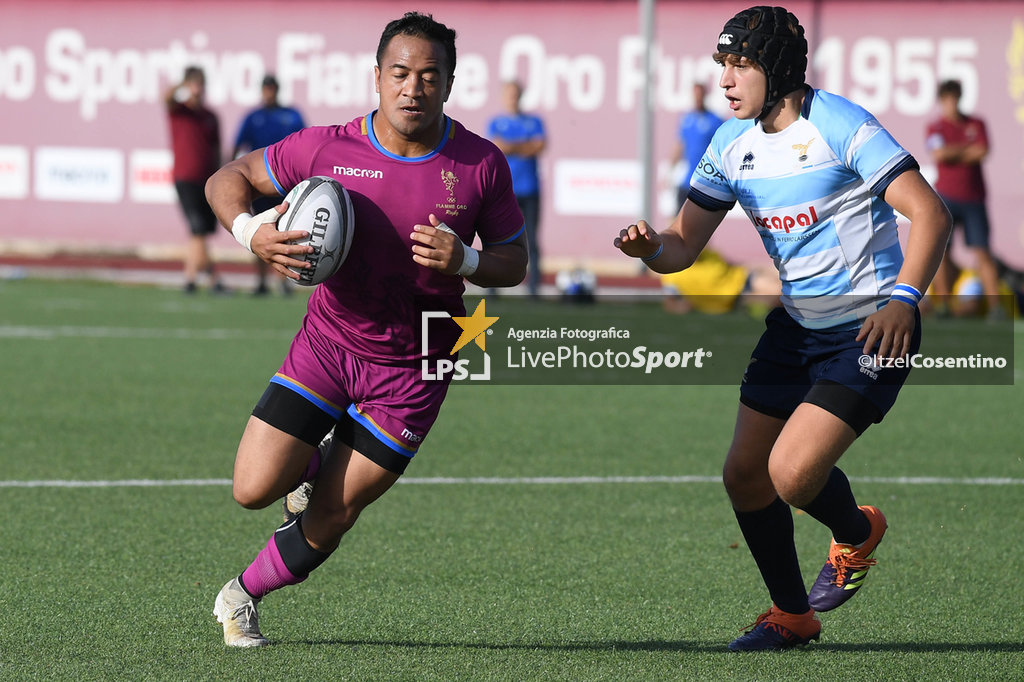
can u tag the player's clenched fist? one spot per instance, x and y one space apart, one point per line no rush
638 241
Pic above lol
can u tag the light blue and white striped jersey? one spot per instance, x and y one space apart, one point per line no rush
812 192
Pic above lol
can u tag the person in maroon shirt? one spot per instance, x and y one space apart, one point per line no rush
959 143
195 142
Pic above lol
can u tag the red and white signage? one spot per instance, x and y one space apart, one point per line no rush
14 170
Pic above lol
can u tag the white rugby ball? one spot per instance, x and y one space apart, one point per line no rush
323 208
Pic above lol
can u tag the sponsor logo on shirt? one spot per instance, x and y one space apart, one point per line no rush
707 170
450 179
786 222
452 207
802 148
748 161
346 171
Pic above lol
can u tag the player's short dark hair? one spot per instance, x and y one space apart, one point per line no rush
950 87
420 26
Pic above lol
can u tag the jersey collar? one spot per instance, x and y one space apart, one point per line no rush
367 127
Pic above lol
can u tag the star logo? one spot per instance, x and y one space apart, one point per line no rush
474 328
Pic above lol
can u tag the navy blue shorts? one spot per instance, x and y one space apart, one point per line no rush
973 218
791 365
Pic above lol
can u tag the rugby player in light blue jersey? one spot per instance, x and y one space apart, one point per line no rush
819 178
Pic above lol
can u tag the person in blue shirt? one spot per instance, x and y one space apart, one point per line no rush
520 136
818 177
696 128
262 127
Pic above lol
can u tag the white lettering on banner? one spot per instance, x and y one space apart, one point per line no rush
879 73
94 76
17 73
674 77
898 75
470 90
332 79
631 73
583 77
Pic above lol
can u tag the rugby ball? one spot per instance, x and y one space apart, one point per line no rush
323 208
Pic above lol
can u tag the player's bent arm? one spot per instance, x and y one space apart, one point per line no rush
170 96
532 147
502 265
231 189
974 153
230 192
677 247
889 331
930 225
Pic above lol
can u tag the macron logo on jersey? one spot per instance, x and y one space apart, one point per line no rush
359 172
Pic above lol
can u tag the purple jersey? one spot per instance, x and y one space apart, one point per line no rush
371 306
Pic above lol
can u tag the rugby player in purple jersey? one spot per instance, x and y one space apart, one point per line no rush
422 186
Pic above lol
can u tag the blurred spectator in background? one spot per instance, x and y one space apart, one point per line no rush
967 294
696 129
959 143
576 285
713 285
520 136
264 126
195 142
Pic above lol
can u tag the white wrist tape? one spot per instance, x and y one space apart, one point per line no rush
470 256
470 260
245 225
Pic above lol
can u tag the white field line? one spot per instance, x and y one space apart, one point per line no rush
552 480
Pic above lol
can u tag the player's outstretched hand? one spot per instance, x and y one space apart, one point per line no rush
638 241
273 246
436 246
888 332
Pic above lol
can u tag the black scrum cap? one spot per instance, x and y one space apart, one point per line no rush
764 35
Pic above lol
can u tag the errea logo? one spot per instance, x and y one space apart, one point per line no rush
725 39
359 172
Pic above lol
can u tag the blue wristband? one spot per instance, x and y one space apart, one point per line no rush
648 259
903 299
906 293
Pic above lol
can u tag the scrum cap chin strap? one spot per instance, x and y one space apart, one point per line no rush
763 35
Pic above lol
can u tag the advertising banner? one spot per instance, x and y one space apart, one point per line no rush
84 152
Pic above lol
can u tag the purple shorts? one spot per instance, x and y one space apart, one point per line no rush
383 411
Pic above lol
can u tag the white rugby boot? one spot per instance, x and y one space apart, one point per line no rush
236 611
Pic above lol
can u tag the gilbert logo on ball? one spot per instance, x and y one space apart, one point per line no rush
323 208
